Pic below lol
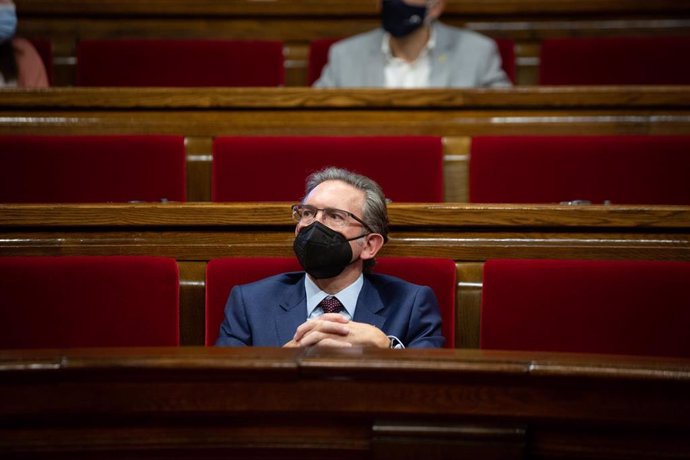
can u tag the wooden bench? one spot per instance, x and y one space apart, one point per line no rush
194 233
297 22
191 403
200 114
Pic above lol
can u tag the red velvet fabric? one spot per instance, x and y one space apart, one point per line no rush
408 168
180 63
75 301
615 307
318 57
506 48
615 61
223 274
439 274
88 169
552 169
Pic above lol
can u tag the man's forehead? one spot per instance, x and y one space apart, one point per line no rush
335 194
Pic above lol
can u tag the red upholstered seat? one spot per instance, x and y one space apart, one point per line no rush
223 274
615 61
180 63
73 169
408 168
506 48
616 307
437 273
553 169
318 57
109 301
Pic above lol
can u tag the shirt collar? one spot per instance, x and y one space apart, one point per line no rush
348 296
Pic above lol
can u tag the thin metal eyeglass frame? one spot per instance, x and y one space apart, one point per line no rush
295 214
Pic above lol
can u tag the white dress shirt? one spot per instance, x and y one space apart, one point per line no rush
399 73
348 297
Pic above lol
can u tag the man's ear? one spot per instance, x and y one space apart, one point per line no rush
435 9
372 244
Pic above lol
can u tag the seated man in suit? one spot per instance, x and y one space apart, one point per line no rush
342 223
413 50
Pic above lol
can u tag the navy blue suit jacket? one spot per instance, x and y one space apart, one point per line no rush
266 313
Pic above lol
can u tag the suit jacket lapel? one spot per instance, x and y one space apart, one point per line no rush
372 72
440 56
292 312
369 306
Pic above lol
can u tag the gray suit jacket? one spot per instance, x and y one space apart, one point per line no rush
460 59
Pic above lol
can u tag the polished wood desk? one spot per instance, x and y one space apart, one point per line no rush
194 233
353 404
200 114
297 22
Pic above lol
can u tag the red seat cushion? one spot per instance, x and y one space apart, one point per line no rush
88 169
408 168
74 301
223 274
552 169
615 61
318 57
179 63
618 307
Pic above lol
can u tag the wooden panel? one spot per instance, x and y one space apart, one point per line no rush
468 302
200 402
192 302
199 164
456 159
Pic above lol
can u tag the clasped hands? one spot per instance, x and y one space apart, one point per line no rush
334 330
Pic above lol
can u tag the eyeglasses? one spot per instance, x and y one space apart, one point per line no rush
336 218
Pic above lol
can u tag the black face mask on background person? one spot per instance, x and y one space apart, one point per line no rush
400 19
323 252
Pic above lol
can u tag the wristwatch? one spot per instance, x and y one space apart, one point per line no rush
395 342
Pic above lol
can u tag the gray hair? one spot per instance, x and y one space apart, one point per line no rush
375 213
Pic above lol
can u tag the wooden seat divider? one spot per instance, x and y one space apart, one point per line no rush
200 114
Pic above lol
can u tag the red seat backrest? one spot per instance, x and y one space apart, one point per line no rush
648 60
318 57
75 301
223 274
88 169
408 168
180 63
553 169
587 306
506 48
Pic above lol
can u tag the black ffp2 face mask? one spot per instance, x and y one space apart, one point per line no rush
323 252
400 19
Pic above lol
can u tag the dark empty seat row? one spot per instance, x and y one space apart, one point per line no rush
648 60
